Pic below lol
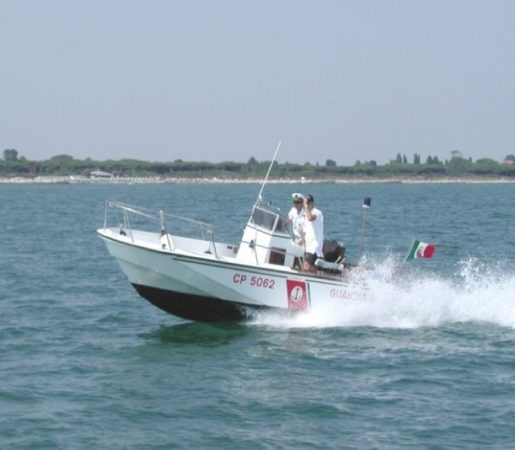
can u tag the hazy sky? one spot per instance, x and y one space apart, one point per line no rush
226 80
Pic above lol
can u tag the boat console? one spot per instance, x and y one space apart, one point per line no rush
267 240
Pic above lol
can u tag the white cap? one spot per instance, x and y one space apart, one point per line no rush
297 196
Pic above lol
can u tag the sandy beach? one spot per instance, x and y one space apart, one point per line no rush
214 180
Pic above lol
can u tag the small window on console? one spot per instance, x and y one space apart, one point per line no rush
277 256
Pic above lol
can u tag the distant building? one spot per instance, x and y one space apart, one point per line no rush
100 174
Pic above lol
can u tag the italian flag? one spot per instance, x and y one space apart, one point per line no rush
421 250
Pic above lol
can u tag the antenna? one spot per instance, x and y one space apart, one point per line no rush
367 201
268 173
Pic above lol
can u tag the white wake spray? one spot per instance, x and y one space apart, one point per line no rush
392 295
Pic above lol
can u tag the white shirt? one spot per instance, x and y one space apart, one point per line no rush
297 220
315 233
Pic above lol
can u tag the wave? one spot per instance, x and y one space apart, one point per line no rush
390 294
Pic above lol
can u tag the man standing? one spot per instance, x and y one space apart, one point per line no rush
296 217
314 237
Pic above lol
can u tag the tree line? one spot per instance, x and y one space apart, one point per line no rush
13 164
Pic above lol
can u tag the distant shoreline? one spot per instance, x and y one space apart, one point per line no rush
214 180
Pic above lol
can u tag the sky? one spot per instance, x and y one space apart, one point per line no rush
227 80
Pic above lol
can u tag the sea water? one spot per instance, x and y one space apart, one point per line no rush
425 358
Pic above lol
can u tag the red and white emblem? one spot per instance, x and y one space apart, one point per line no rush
297 295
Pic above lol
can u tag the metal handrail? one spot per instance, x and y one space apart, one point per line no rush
153 215
206 230
277 250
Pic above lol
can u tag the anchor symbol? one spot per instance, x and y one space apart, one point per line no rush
297 293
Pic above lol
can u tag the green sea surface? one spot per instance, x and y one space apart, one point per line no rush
426 360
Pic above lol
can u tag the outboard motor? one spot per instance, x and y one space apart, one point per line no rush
334 256
334 251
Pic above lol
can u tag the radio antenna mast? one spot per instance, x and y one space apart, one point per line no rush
268 173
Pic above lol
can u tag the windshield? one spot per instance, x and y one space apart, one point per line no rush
263 218
267 219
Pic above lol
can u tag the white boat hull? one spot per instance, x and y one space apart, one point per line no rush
202 286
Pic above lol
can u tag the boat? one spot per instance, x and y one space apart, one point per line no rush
179 266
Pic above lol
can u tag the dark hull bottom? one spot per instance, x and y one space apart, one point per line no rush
195 307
